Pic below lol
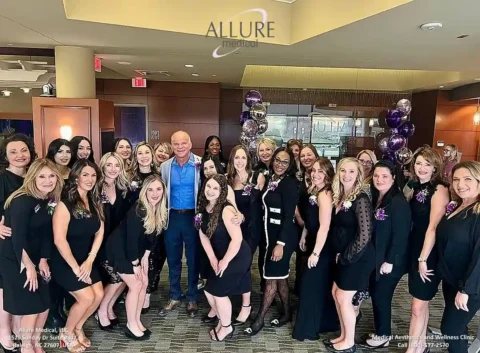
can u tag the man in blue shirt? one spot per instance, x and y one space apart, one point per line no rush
181 175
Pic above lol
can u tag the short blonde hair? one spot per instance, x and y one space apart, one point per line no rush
165 147
267 141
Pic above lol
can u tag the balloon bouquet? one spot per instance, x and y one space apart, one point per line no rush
394 147
254 121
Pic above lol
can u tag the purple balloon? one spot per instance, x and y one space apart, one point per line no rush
394 131
389 157
253 97
394 118
407 129
395 142
383 144
244 117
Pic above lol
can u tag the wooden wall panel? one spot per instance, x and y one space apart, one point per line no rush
182 109
424 109
106 111
126 99
183 89
122 87
457 118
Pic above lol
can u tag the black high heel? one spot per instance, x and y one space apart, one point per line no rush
230 335
352 349
103 328
115 322
238 322
209 320
280 322
14 349
145 310
134 337
249 331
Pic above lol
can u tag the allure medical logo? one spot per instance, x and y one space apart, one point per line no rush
246 32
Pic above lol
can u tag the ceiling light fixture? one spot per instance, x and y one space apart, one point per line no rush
196 75
9 45
477 79
26 90
214 75
124 63
188 65
6 92
462 36
431 26
440 86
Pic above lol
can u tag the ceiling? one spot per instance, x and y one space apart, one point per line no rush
328 44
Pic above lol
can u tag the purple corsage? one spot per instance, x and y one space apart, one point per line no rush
313 200
422 196
197 164
197 220
272 186
380 214
346 205
52 203
104 197
247 189
451 206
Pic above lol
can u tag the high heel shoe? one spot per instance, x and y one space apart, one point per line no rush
280 322
249 331
68 342
134 337
145 310
352 349
103 328
115 322
230 335
14 349
237 322
209 320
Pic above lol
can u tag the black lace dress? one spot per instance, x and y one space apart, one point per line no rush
236 279
351 235
421 204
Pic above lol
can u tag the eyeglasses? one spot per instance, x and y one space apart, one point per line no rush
282 163
363 162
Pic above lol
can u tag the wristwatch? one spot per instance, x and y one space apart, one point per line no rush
421 260
315 254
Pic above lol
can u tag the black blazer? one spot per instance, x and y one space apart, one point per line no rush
391 235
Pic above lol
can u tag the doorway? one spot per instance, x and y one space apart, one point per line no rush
131 122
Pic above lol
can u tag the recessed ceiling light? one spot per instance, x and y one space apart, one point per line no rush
124 63
214 75
462 36
440 86
304 89
196 75
26 90
188 65
477 79
10 44
431 26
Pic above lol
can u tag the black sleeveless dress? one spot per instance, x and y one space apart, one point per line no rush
236 279
316 309
420 205
80 235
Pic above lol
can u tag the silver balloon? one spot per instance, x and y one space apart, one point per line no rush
383 144
250 128
404 156
262 126
252 146
404 106
258 111
244 139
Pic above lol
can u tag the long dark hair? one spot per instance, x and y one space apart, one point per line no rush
390 193
220 153
74 142
16 138
216 162
70 192
217 209
55 146
291 164
231 171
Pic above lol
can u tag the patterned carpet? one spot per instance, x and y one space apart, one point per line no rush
179 333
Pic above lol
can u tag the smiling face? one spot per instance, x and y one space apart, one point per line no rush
214 147
465 185
87 179
318 175
144 156
240 160
84 150
382 179
63 156
295 150
209 168
307 157
281 163
18 155
366 162
124 149
348 175
46 181
423 169
154 193
181 144
212 190
161 155
111 168
265 153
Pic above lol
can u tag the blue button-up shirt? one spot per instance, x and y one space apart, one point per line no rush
182 185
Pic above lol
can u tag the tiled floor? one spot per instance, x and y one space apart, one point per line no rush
179 333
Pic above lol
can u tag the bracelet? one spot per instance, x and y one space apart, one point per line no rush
315 254
92 253
421 260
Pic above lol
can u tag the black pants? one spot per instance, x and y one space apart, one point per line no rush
381 292
454 322
155 265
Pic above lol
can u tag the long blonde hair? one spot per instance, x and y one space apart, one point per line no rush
474 168
337 187
121 182
155 218
29 186
134 169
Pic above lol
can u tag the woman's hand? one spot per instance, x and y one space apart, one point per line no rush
214 264
461 301
32 280
4 230
386 268
44 268
312 261
336 258
145 264
277 253
237 218
222 266
137 271
85 271
301 244
424 271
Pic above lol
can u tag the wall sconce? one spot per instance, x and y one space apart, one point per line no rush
26 90
66 132
476 116
6 93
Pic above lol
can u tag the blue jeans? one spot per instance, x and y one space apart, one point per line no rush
181 230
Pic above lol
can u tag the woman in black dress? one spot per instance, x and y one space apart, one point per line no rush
114 192
130 246
28 212
16 154
428 195
265 149
316 309
351 235
59 152
229 254
123 147
279 201
392 224
142 167
78 234
81 148
246 185
458 246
